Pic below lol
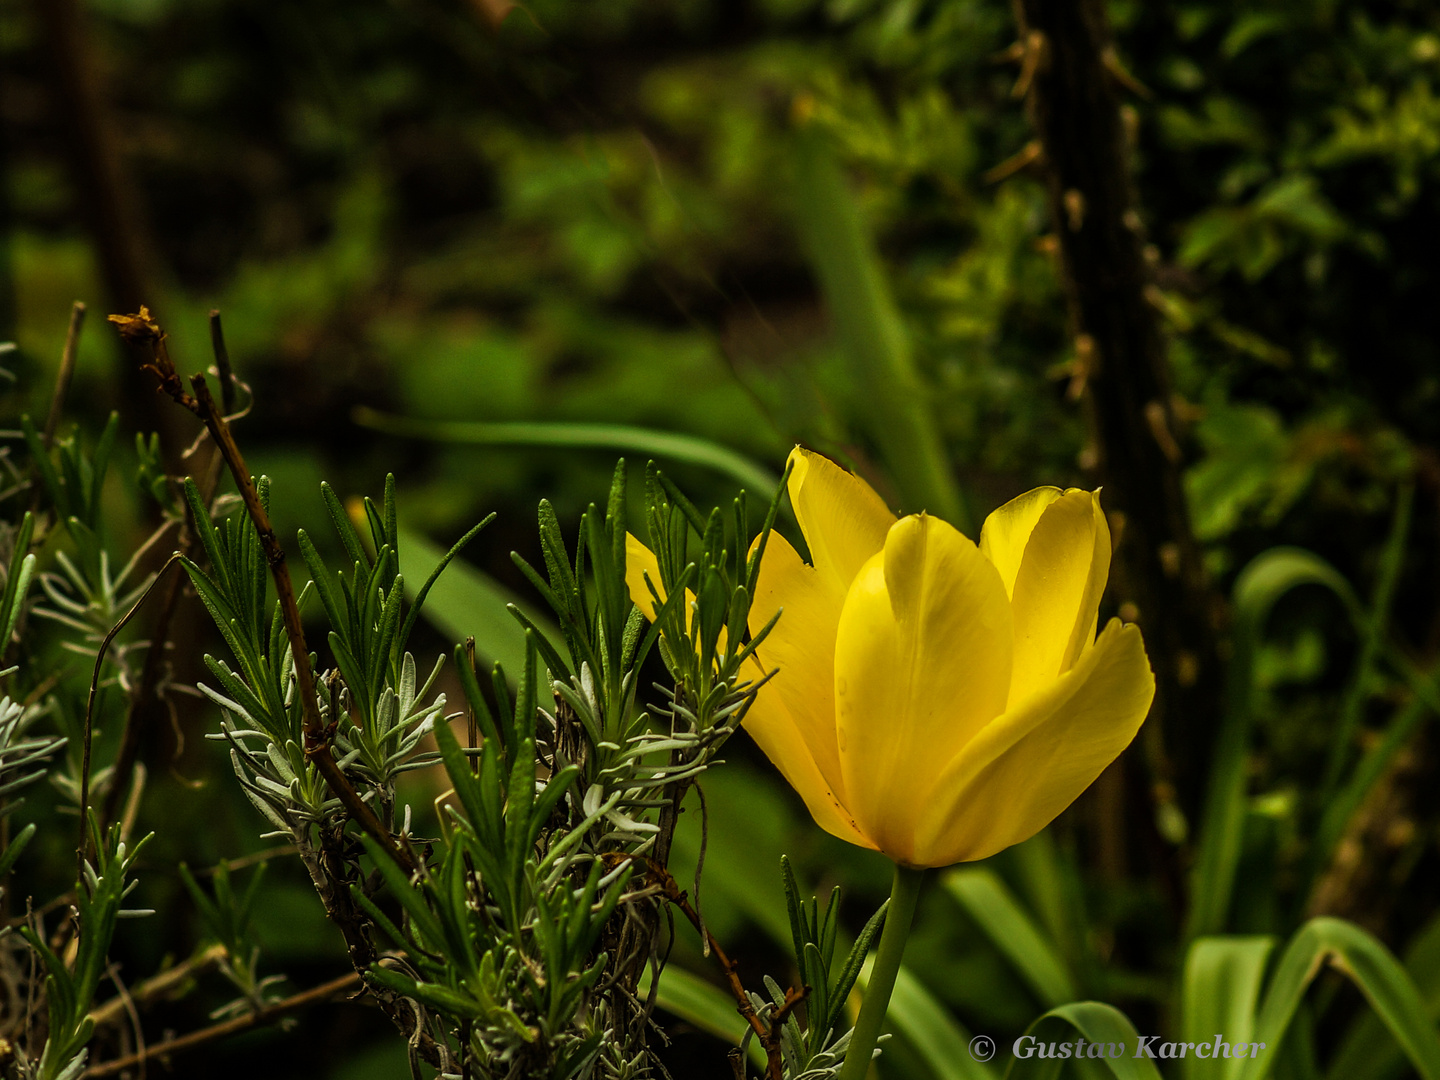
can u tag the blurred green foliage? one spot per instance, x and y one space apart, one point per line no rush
588 212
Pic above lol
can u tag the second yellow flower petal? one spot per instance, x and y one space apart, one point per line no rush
1023 769
843 520
776 732
922 663
802 647
639 562
1057 590
1007 530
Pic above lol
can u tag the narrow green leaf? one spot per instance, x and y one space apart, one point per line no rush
209 537
1368 1048
855 962
16 587
17 581
383 921
386 637
484 720
16 848
554 663
671 445
343 527
520 797
871 332
437 997
689 513
225 618
1267 578
410 898
989 902
1345 803
424 592
45 466
794 906
457 767
1098 1024
325 587
1356 954
378 534
1052 890
552 546
1223 976
392 526
99 465
1372 636
209 913
555 789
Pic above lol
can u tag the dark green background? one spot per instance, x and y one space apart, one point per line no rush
587 214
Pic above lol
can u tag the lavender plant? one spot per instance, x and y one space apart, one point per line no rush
520 943
49 978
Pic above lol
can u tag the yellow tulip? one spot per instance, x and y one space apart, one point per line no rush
939 700
640 564
642 570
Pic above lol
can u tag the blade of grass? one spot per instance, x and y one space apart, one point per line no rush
1359 956
1368 1048
1223 976
1372 630
1267 578
624 438
1097 1023
890 394
1346 802
1050 887
991 904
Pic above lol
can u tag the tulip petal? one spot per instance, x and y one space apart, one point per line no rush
802 646
777 734
844 523
922 663
1007 530
843 520
1027 766
639 561
1057 590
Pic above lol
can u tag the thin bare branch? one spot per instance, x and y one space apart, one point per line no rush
294 1003
139 329
159 985
767 1032
222 362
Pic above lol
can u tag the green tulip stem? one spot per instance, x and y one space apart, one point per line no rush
903 895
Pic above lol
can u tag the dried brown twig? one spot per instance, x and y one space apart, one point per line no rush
159 985
139 329
189 1041
149 693
331 879
767 1032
